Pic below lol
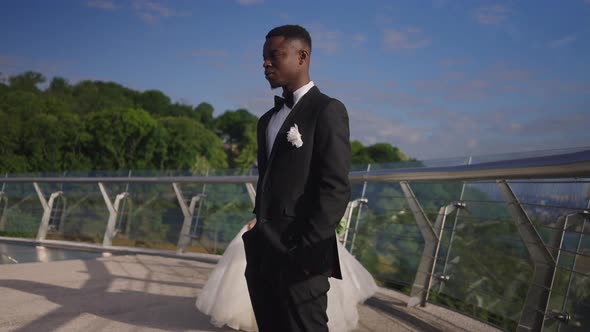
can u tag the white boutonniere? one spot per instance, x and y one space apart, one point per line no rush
294 137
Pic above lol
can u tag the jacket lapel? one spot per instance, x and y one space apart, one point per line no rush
262 141
281 137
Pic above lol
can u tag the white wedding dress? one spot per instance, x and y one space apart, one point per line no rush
225 295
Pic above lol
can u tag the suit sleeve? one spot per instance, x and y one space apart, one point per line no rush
332 157
260 132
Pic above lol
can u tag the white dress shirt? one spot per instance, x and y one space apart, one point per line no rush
277 119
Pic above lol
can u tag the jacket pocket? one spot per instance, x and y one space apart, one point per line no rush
251 246
289 211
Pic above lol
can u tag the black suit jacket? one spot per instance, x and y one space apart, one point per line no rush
302 192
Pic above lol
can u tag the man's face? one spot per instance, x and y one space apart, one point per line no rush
282 61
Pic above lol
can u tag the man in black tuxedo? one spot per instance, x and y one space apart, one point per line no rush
302 192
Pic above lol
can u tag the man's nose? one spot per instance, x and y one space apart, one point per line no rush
266 63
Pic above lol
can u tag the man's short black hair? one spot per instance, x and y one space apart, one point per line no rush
291 32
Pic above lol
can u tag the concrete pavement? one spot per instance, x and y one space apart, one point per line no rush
154 293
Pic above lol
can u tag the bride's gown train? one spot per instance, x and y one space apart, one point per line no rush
225 295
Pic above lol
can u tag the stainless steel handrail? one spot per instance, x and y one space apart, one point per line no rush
567 165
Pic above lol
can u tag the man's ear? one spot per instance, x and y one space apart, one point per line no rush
303 56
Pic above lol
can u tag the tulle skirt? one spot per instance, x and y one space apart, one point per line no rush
225 295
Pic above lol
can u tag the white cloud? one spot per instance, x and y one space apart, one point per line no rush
562 42
490 83
149 18
102 4
472 143
448 63
151 11
492 15
9 61
358 39
207 53
249 2
514 126
439 3
431 131
325 40
371 128
410 38
13 65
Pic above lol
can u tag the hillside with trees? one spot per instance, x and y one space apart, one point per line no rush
95 125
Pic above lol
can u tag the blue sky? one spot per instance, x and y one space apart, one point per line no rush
438 78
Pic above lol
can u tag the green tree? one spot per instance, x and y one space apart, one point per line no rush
204 114
86 96
16 109
379 153
178 109
248 148
238 131
104 125
41 142
59 86
76 139
385 153
22 104
11 160
186 140
125 139
232 124
360 155
94 96
27 81
3 87
154 101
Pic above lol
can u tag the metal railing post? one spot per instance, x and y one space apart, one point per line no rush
431 235
358 215
47 208
198 217
537 299
448 255
348 217
3 198
110 231
184 238
563 223
251 192
4 207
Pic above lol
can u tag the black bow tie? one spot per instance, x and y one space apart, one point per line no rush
287 100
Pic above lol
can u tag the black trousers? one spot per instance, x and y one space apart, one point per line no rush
289 301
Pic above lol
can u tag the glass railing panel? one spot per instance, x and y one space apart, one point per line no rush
571 287
21 210
226 208
79 214
578 304
388 242
434 195
488 266
562 193
358 168
545 201
148 217
190 190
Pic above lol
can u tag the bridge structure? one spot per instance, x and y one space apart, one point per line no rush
492 242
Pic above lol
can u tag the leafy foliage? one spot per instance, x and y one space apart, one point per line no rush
94 125
378 153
